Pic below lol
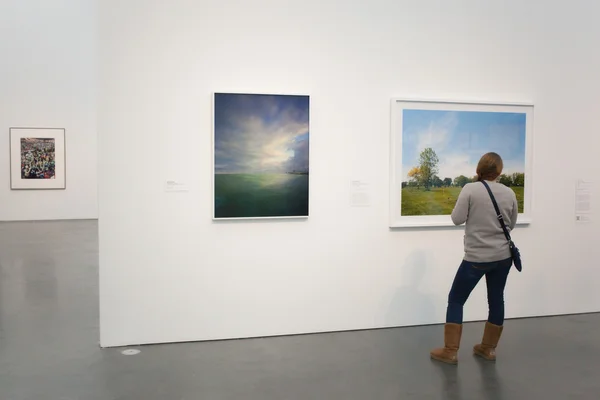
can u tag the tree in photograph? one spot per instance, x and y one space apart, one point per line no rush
428 167
437 182
505 180
518 179
447 182
461 181
414 175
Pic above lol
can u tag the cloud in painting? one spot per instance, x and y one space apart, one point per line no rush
261 133
460 138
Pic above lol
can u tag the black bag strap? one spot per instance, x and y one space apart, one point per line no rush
498 213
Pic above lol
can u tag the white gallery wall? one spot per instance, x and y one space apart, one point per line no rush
169 273
48 80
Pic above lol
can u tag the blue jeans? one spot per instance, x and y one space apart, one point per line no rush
467 277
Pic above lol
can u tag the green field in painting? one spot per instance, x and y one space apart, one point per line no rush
438 201
261 195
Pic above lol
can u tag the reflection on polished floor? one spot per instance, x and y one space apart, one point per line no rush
49 346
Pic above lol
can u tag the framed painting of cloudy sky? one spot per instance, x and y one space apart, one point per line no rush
261 156
435 148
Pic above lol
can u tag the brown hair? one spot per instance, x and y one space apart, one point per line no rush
489 167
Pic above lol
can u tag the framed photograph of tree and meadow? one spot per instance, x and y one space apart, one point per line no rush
37 158
435 148
261 156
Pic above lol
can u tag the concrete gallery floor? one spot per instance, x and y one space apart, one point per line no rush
49 346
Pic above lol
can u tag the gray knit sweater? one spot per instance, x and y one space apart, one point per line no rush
484 239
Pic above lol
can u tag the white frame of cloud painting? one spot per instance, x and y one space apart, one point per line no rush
446 139
37 159
261 151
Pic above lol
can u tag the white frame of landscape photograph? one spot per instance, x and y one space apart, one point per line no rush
53 162
261 156
446 139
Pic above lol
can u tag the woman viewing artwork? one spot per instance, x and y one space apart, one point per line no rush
487 253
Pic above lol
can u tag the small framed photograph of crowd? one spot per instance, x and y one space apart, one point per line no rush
37 158
435 147
261 156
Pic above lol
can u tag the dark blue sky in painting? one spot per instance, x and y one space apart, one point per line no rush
261 133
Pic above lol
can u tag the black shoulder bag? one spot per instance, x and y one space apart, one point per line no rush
514 251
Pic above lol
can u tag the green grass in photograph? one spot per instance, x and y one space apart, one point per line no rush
438 201
520 193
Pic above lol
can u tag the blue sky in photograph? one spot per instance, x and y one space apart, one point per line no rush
460 138
261 133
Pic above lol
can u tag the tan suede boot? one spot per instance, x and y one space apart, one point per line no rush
449 353
491 337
